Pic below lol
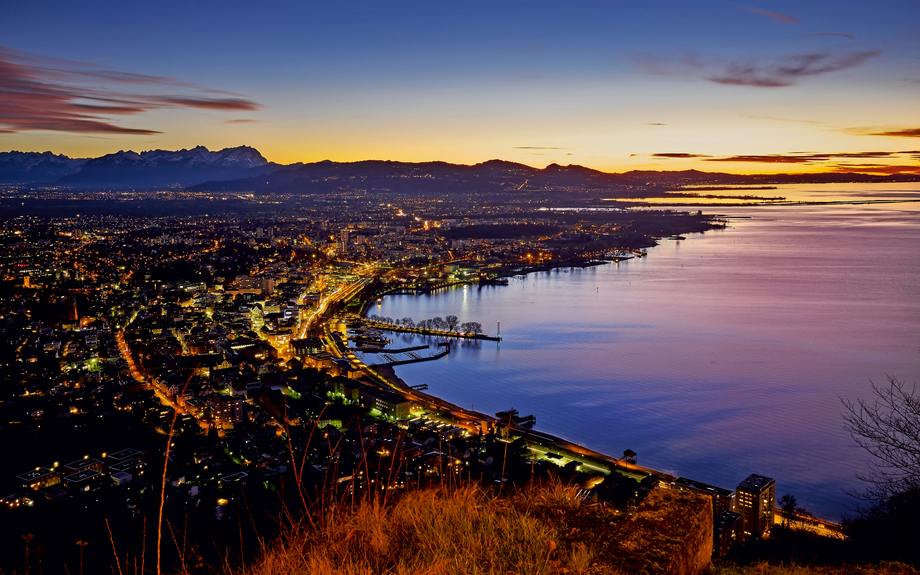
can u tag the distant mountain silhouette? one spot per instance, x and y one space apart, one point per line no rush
243 169
425 178
36 168
164 168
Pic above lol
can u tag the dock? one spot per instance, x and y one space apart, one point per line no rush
434 332
409 357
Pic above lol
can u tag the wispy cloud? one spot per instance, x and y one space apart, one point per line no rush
787 71
655 124
776 119
232 104
45 93
905 133
679 155
803 158
775 16
839 162
832 34
538 148
843 162
240 121
876 169
765 159
761 72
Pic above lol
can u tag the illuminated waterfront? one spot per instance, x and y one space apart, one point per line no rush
714 357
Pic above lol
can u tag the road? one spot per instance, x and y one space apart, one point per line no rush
473 421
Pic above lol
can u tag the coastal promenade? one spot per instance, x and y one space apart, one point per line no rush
544 445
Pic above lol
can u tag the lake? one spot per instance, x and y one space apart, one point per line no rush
714 357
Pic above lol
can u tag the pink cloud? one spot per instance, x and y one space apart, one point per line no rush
775 16
45 93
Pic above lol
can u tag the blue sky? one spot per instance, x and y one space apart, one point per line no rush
721 86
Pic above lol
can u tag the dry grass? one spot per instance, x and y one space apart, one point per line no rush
556 494
438 531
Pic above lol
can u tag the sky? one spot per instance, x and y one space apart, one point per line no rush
766 87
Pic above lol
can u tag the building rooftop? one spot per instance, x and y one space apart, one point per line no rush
83 476
756 483
700 486
81 464
34 474
126 465
725 519
124 454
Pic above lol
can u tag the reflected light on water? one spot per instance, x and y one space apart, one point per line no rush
715 357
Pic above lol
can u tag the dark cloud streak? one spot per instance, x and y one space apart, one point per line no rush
45 93
906 133
832 34
789 70
804 158
679 155
236 104
775 16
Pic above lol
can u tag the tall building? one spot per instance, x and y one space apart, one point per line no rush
227 409
755 501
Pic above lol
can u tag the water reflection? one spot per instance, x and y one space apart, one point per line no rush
714 357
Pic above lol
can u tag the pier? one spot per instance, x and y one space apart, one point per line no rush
410 357
420 290
434 332
372 349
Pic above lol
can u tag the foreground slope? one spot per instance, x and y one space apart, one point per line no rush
544 530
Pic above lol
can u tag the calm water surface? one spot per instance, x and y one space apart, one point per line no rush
715 357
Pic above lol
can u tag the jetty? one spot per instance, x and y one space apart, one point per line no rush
396 358
512 416
434 332
375 349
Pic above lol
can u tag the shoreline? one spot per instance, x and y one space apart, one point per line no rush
575 434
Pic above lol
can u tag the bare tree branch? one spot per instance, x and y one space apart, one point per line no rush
889 429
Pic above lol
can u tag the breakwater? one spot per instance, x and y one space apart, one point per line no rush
431 332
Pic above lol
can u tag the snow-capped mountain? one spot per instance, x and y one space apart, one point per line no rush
243 156
155 168
36 167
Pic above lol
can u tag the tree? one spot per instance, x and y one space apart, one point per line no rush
889 429
407 322
451 322
787 505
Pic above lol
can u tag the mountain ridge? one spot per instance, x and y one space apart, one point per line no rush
244 169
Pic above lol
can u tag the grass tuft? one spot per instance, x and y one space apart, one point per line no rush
440 531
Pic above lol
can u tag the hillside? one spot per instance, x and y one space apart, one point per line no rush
544 530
